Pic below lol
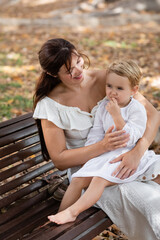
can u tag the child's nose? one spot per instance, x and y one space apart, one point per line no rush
114 92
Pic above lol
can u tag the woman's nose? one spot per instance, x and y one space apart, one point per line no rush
78 69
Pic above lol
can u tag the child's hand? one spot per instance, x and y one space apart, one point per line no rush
113 108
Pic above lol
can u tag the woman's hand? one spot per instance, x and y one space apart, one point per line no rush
114 140
129 163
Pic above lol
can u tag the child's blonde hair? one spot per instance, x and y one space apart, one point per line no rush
126 68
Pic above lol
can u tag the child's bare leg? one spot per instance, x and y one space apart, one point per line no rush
91 195
74 191
89 198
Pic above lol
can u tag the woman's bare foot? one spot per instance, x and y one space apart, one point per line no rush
157 179
63 217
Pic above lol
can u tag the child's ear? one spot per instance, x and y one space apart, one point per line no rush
135 90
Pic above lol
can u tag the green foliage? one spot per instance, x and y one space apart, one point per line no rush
11 104
156 94
115 44
11 59
7 86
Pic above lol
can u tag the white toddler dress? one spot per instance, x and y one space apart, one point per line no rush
134 115
134 207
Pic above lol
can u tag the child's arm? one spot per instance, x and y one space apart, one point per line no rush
136 120
136 123
97 132
113 108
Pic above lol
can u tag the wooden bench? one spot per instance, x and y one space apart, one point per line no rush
24 199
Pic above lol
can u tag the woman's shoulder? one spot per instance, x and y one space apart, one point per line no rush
97 78
64 117
59 95
96 73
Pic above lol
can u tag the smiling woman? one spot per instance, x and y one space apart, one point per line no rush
73 72
65 106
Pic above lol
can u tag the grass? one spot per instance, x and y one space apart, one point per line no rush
11 105
115 44
6 86
11 59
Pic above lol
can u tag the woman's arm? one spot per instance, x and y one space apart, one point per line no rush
64 158
153 122
131 159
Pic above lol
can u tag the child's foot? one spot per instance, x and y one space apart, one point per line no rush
63 217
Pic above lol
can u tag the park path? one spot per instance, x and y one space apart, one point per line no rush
71 13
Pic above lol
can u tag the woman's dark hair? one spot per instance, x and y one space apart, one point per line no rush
53 54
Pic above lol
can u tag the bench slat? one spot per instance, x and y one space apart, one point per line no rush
56 233
21 207
21 167
19 146
95 229
88 228
12 138
21 193
16 120
29 189
20 156
27 177
15 127
70 231
51 231
34 217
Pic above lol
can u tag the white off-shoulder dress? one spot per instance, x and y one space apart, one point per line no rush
134 207
135 117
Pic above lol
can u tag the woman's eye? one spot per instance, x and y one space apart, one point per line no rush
69 72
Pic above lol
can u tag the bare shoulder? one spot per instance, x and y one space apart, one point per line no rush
97 75
138 96
97 72
58 94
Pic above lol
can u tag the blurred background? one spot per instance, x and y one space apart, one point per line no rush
103 29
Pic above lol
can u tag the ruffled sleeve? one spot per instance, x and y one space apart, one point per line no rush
62 116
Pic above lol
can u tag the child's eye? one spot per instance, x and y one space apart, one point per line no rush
108 85
120 88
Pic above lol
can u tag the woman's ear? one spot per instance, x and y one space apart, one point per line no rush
135 89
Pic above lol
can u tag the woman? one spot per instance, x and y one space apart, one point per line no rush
65 102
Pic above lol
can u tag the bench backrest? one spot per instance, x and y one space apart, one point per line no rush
22 167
